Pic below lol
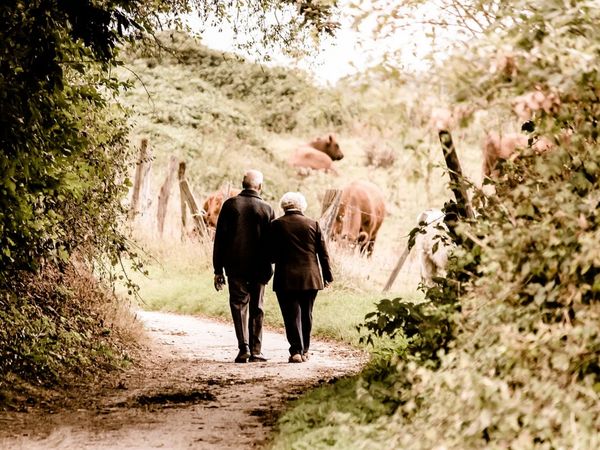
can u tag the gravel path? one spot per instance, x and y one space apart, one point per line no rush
186 393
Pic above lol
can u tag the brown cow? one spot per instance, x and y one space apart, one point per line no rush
526 105
360 215
503 147
318 155
212 205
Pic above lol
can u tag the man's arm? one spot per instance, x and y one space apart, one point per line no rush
221 238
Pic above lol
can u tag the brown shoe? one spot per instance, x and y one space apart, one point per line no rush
297 358
306 356
259 357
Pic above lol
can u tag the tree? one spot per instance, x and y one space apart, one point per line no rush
64 155
63 139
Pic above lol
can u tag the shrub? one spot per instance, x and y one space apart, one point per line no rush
60 326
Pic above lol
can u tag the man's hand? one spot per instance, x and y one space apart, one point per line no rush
219 282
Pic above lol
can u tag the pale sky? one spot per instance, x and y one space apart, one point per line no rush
332 61
344 54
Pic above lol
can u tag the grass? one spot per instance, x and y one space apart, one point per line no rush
183 282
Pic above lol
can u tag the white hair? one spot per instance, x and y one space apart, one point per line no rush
293 200
253 179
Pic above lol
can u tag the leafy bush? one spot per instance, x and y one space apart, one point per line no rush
520 366
63 160
63 150
59 326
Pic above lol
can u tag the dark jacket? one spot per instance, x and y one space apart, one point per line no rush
297 249
241 238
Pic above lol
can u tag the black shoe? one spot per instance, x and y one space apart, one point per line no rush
242 356
259 357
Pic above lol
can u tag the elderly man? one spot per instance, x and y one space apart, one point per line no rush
298 249
241 250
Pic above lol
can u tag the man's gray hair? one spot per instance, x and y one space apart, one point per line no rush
253 179
293 200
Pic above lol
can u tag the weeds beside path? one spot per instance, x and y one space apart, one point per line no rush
185 393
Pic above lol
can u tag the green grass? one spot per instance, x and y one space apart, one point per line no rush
171 288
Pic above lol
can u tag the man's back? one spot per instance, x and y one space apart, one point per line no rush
241 237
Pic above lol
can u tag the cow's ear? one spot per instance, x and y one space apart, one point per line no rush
330 138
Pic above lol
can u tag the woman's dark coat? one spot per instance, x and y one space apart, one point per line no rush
297 249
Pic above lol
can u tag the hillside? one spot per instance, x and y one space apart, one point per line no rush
222 115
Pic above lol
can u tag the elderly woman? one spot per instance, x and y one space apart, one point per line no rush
297 249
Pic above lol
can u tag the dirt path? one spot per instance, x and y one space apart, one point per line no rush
187 393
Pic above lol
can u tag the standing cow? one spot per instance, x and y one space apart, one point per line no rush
360 214
212 205
317 155
497 147
432 245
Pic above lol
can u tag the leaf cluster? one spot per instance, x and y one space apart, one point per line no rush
57 329
62 145
282 100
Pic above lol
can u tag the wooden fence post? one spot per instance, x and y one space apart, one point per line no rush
396 270
188 200
456 176
226 190
458 188
164 194
182 202
329 208
141 180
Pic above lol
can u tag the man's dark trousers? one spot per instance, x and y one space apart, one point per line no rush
246 299
296 309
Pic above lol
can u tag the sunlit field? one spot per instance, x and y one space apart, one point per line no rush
218 136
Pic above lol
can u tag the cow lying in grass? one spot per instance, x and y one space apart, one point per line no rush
317 155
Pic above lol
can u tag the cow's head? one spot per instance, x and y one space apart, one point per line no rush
347 232
212 208
213 203
329 146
